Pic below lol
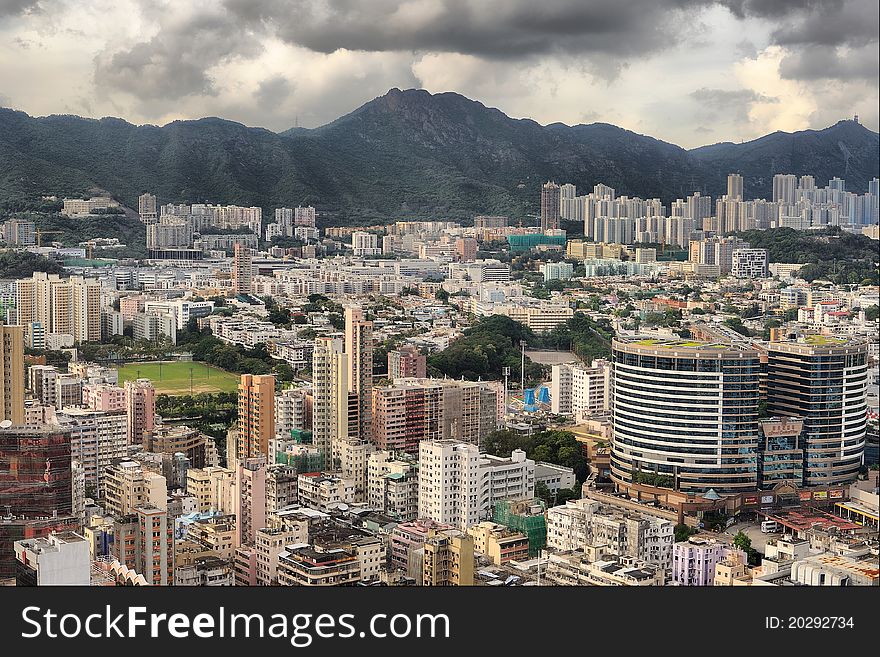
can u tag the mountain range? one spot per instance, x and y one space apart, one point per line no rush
405 154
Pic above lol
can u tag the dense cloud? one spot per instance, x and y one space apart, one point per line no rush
606 34
772 8
491 28
671 68
497 28
719 98
519 28
19 7
175 62
835 23
836 41
274 90
829 63
728 107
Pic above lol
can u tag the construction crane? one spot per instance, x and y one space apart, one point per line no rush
40 233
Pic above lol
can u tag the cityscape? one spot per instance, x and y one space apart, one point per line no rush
666 399
283 303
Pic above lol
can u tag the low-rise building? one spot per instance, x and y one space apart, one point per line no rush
554 477
61 559
336 556
499 543
836 570
582 523
409 536
393 484
323 491
694 561
575 569
205 571
459 486
730 571
271 542
214 535
447 559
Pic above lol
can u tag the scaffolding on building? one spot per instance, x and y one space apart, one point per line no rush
303 462
301 436
527 517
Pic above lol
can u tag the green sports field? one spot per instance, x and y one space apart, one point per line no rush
173 377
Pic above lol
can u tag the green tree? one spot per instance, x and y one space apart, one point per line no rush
23 264
552 446
742 541
752 310
683 532
563 495
484 349
715 520
543 493
737 325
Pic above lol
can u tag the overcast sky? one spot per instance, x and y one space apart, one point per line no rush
691 72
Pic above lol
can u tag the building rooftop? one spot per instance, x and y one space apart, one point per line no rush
317 556
51 542
820 344
677 344
804 518
331 534
207 562
822 340
30 431
662 346
542 468
866 566
302 511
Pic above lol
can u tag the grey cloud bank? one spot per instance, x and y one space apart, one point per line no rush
272 62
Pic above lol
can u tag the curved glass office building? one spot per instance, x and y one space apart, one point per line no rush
685 415
824 380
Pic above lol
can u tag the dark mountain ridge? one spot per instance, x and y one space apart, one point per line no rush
405 154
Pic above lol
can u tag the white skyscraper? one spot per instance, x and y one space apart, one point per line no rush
576 389
330 393
459 486
365 244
